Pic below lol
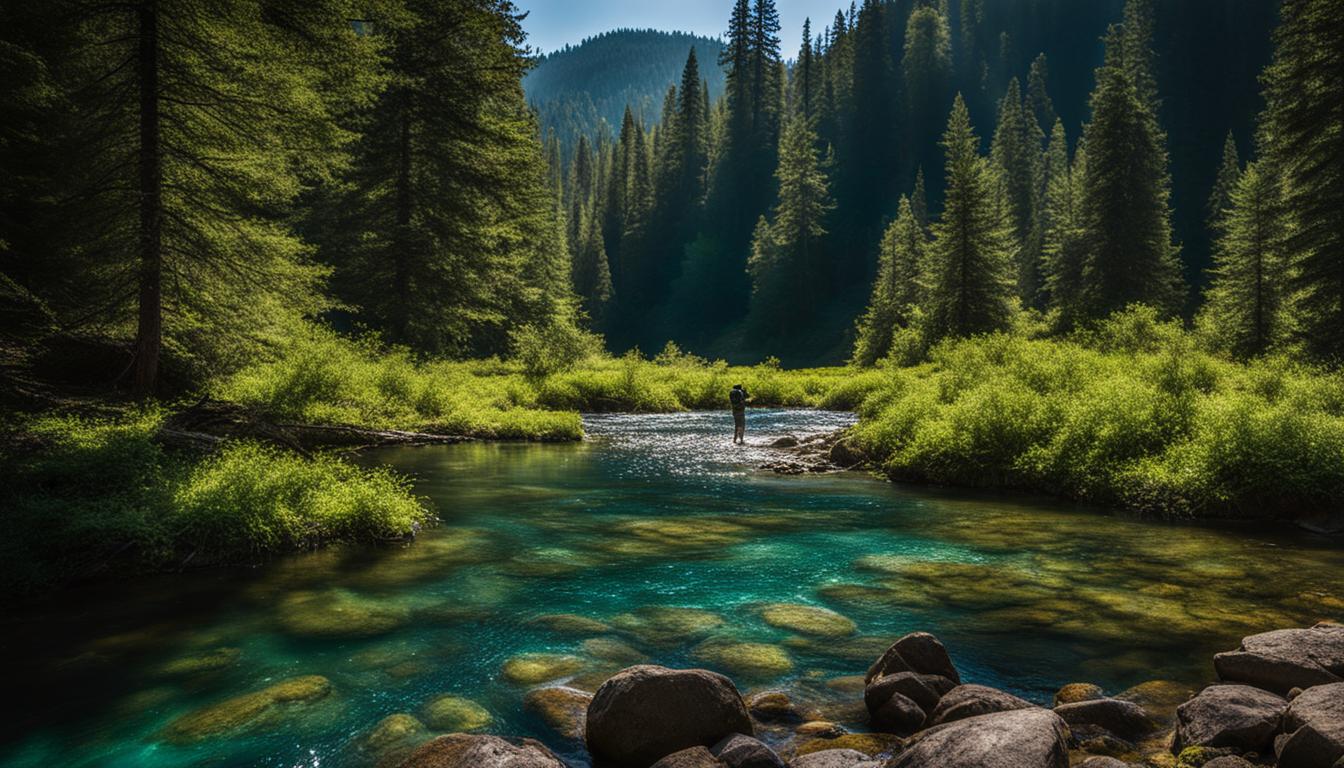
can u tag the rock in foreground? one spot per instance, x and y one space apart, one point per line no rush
1314 724
460 750
1236 716
645 713
1284 659
1027 738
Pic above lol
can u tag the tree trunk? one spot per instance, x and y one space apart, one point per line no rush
149 334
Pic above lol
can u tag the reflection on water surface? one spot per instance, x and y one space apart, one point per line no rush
654 540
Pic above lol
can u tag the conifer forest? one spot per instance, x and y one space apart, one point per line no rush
379 389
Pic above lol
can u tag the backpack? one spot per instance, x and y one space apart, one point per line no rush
736 397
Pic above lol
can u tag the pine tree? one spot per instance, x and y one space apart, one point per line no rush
1304 94
1016 150
1126 215
580 187
971 258
1038 96
591 275
898 287
1247 295
806 83
196 126
1229 174
786 257
919 202
1063 241
926 66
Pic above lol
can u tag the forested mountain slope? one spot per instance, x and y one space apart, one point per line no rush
584 89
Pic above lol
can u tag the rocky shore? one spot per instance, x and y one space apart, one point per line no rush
1278 701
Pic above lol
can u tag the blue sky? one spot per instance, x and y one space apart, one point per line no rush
553 23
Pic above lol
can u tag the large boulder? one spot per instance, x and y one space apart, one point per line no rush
1236 716
924 690
835 758
916 652
647 712
1121 718
898 715
461 750
695 757
972 700
738 751
1314 724
1284 659
1027 738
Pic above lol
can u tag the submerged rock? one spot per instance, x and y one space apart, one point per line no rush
247 710
211 661
340 613
645 713
460 750
773 707
454 713
1028 738
392 731
533 668
1235 716
1314 724
808 619
1159 697
754 660
613 650
563 709
663 625
572 624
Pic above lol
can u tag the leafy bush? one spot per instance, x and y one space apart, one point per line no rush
1132 414
102 495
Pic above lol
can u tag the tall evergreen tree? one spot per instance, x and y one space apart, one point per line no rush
1038 95
1304 93
196 126
1016 150
590 273
926 66
787 252
1063 235
448 235
919 201
971 285
1130 255
899 285
1247 296
1229 174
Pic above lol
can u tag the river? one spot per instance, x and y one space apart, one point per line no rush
569 561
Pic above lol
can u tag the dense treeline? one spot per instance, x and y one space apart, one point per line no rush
583 90
197 178
875 87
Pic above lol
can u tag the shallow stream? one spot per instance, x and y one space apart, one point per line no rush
654 540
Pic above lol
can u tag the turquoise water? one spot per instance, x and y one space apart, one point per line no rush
652 512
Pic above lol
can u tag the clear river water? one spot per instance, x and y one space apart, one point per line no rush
655 539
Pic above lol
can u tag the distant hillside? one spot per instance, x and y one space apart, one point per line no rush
584 89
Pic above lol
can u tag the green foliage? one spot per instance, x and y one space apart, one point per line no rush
1125 207
1132 415
553 347
102 496
971 286
898 288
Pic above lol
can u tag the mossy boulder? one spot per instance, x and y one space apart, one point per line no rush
752 660
1076 692
571 624
564 709
211 661
613 650
534 668
808 620
393 731
455 713
870 744
340 613
666 626
241 712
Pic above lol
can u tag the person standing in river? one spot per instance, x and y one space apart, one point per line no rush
739 398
